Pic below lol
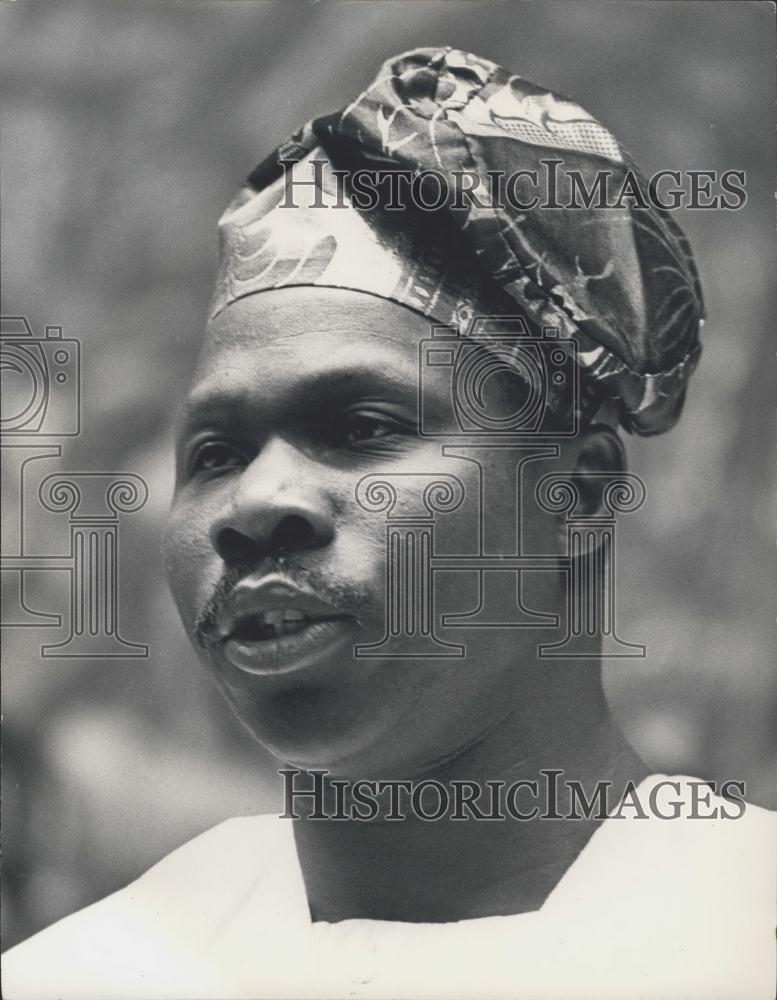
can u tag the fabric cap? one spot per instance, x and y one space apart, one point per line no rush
620 281
406 256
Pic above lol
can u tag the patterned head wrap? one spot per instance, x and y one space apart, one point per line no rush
620 282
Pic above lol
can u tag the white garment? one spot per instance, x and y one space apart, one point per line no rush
651 909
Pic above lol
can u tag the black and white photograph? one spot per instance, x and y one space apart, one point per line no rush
388 500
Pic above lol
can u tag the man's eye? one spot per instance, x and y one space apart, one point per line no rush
362 428
215 457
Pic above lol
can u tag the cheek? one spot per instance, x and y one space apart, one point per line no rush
359 551
190 561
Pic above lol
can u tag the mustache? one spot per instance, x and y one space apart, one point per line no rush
343 595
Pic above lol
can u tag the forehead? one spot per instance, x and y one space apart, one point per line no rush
285 339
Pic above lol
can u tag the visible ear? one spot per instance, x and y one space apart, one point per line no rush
600 449
597 449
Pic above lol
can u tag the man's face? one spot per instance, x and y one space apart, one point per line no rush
278 572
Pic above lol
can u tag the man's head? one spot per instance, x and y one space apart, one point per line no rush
300 393
309 382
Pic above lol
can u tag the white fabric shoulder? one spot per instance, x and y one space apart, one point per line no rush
144 941
687 905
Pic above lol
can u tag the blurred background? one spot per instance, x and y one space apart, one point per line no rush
127 128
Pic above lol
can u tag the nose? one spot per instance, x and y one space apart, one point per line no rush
274 509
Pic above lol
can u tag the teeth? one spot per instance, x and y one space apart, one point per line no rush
282 616
271 624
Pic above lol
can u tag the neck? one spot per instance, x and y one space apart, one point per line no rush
419 869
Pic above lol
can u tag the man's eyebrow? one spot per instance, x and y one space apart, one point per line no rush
307 391
376 377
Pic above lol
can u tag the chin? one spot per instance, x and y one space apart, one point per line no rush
375 719
323 727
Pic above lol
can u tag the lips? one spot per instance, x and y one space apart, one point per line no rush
271 626
267 625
